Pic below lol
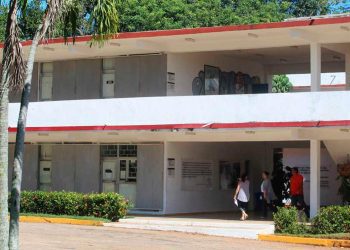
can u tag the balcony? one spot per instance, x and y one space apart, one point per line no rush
154 118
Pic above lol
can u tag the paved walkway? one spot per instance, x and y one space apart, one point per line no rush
216 224
54 236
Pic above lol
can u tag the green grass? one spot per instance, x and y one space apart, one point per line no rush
66 216
340 236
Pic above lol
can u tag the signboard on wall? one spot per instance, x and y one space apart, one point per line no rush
197 175
300 157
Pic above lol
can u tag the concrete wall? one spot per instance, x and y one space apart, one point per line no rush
137 76
141 76
182 201
15 96
187 65
76 168
149 189
76 79
30 167
316 106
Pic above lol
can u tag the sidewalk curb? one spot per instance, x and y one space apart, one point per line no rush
53 220
305 241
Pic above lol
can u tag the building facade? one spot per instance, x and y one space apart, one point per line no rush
171 118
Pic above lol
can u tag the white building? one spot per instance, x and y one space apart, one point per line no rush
124 117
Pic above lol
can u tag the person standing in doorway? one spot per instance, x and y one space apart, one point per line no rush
296 190
242 195
267 193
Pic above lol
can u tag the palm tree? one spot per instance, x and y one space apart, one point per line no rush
103 19
11 76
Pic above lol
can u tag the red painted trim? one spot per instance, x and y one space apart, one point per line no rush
304 124
202 30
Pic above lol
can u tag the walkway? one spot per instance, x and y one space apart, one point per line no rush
216 224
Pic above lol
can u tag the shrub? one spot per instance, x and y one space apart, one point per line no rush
110 206
286 221
331 220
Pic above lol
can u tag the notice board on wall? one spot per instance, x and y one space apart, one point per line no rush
197 175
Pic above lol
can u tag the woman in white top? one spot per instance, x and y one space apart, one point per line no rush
241 196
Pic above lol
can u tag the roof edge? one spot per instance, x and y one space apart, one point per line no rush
202 30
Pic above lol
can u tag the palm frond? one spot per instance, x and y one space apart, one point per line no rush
104 21
13 66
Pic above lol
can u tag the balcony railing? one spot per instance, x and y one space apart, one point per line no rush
225 111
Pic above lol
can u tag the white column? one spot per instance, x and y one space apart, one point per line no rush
165 176
347 71
315 66
315 173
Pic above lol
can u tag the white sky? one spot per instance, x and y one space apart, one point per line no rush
326 79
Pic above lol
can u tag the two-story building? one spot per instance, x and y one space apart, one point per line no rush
171 118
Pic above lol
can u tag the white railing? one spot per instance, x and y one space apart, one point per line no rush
205 110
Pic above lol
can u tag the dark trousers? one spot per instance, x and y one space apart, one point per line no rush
299 203
243 206
268 206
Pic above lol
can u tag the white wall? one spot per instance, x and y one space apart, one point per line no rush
181 201
187 65
316 106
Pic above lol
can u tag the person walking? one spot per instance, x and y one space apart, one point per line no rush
297 192
242 195
267 194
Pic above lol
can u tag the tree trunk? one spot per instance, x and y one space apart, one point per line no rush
19 151
10 57
20 137
4 226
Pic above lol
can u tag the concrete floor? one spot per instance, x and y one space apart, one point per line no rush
214 224
54 236
254 217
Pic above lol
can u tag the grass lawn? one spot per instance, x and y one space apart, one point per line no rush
66 216
341 236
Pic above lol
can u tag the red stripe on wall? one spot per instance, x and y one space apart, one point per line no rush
305 124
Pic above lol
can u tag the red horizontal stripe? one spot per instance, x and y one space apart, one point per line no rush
201 30
192 126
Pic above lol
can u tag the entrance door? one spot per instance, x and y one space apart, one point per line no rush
127 178
109 175
119 175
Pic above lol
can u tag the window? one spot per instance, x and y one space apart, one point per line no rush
108 81
109 150
46 76
127 151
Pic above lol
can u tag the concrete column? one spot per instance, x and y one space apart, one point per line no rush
347 71
315 66
315 173
165 176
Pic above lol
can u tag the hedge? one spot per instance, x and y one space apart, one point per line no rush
111 206
286 221
330 220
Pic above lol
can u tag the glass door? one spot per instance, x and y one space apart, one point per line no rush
127 178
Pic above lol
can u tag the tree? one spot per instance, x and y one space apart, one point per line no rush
11 76
281 84
302 8
103 23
